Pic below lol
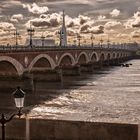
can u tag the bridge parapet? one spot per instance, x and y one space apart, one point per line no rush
118 47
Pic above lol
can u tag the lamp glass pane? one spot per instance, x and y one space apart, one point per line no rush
19 102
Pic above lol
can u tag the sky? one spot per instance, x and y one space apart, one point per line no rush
118 20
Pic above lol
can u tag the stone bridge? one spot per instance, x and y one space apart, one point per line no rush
26 66
27 60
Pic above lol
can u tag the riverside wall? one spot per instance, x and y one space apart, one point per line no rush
39 129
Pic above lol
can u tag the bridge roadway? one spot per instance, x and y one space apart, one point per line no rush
59 61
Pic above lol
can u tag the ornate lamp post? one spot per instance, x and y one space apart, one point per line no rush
79 40
16 34
92 38
101 43
108 43
31 33
42 39
19 102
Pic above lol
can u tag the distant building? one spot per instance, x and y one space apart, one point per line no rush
39 42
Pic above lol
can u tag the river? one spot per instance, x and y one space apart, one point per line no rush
111 94
108 95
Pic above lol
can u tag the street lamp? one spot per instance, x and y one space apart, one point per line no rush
19 102
108 43
92 37
101 42
31 33
16 34
79 40
42 39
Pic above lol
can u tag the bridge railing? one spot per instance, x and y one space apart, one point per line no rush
128 47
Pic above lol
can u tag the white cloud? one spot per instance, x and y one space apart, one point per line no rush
35 9
112 24
134 21
115 13
86 28
16 18
71 22
6 27
83 19
101 17
71 32
135 34
50 20
122 35
97 29
80 20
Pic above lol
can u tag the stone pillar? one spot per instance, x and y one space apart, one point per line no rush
86 68
60 72
28 81
71 71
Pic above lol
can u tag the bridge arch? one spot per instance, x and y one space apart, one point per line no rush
102 57
69 59
113 56
50 60
118 55
94 57
108 56
121 55
17 65
83 58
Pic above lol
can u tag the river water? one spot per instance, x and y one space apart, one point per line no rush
108 95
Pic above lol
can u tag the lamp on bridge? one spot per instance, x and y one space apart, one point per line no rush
92 38
79 40
16 34
108 43
101 43
42 39
19 102
31 33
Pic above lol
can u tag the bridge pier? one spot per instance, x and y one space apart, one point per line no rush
45 75
114 62
86 68
71 70
28 82
106 63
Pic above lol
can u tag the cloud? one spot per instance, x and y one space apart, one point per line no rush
71 22
101 17
16 18
83 19
134 21
112 24
122 35
85 28
115 13
50 20
6 27
71 32
77 21
35 9
89 29
135 34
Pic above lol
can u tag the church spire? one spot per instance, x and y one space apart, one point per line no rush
63 32
63 18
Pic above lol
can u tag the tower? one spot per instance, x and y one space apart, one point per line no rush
63 33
